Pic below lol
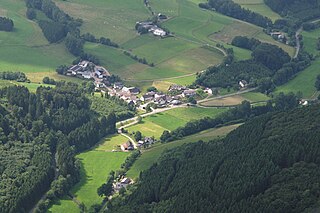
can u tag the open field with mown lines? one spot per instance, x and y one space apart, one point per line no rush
151 155
252 97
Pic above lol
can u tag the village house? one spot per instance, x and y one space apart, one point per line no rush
131 90
208 91
86 75
75 69
122 184
175 102
176 87
162 16
243 84
149 140
147 97
118 85
159 32
99 84
127 146
188 93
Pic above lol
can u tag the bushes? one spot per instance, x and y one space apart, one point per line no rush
6 24
136 58
47 80
53 31
17 76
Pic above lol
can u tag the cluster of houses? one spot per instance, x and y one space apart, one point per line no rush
88 70
149 26
147 141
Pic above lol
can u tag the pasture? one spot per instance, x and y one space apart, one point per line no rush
65 205
25 49
150 156
259 6
96 164
95 167
304 81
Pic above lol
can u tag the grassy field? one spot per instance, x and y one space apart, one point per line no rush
259 6
111 143
155 124
113 19
65 205
25 49
95 167
151 155
31 86
305 80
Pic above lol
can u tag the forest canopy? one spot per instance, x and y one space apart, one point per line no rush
276 155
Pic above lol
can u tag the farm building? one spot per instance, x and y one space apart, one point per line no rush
127 146
189 93
243 83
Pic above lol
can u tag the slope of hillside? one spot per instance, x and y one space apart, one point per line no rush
25 48
270 164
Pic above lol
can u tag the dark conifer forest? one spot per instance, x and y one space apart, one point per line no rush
40 134
269 164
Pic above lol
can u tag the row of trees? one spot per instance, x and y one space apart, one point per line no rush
6 24
16 76
276 155
229 8
136 58
102 40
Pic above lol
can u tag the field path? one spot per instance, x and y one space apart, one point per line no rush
298 44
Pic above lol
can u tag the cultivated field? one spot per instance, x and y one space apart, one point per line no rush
151 155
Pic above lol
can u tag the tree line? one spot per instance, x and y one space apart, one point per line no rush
234 10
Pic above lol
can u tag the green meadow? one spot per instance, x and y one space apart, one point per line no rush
65 205
151 156
96 164
25 49
259 6
304 81
155 124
